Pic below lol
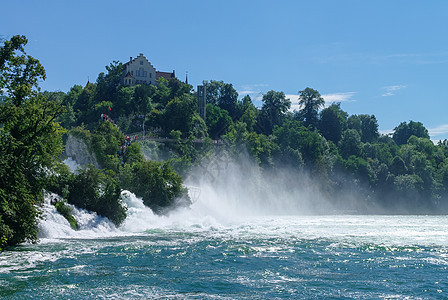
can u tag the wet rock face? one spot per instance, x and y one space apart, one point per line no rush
77 150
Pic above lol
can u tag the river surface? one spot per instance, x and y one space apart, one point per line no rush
192 256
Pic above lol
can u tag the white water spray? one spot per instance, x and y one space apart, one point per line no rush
55 226
236 191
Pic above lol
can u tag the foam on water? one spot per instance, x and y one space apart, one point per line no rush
204 216
54 226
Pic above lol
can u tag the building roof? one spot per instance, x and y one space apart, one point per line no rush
132 60
166 75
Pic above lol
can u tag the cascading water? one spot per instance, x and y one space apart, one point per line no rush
54 226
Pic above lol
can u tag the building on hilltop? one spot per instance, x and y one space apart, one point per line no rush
140 71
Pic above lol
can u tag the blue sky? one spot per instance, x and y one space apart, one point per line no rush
387 58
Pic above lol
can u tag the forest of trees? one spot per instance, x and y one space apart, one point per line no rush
399 173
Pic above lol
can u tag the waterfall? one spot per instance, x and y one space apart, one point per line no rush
54 226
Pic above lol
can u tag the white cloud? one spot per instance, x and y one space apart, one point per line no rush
246 92
255 91
439 130
329 99
338 97
386 131
294 101
391 89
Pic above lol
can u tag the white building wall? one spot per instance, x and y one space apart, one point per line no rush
142 70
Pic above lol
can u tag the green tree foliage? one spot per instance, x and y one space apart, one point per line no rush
30 142
218 121
105 142
224 96
350 143
133 154
369 128
82 106
249 113
178 115
157 184
66 212
262 148
354 122
358 167
398 166
178 88
98 191
275 105
297 137
332 122
123 105
108 86
310 101
405 130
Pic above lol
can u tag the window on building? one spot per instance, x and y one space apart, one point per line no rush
150 75
141 72
141 62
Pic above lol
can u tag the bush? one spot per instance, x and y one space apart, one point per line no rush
105 143
66 212
98 191
158 185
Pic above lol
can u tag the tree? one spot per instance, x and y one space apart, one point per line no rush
143 104
83 104
158 185
108 85
223 95
178 88
297 137
354 122
30 142
98 191
105 142
332 122
369 128
275 105
249 112
398 166
350 144
310 101
218 121
405 130
178 115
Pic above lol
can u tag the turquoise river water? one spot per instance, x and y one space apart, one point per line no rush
192 255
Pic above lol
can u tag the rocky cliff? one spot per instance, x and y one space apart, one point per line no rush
78 151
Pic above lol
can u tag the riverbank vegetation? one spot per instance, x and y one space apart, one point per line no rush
403 172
